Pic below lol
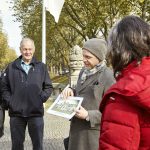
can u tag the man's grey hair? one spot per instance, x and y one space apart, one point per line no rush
25 40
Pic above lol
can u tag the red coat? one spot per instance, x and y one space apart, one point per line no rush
125 108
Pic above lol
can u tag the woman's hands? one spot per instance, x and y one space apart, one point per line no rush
67 92
81 113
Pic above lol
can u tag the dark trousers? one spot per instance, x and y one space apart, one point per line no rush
35 129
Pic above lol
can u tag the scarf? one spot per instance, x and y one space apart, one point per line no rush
88 72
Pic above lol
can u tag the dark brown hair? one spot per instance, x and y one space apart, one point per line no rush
128 40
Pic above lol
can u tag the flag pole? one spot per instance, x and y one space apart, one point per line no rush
54 7
44 33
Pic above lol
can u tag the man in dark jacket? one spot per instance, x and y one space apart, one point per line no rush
26 85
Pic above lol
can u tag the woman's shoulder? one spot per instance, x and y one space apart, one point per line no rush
108 75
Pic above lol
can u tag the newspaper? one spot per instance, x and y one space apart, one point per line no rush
65 107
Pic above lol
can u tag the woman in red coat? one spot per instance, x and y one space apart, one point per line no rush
125 123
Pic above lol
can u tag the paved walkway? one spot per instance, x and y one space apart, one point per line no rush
56 128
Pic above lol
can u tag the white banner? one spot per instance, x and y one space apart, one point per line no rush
54 7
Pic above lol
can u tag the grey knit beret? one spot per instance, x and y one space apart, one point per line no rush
97 47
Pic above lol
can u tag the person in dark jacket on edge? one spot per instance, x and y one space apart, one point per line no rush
2 111
26 85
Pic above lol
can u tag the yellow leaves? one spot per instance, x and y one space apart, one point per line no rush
6 54
141 1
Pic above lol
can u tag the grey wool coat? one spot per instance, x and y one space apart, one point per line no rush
84 135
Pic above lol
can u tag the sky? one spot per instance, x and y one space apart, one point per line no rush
10 27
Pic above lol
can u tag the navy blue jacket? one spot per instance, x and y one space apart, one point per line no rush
25 94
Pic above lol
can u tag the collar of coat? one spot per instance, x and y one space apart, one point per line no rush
133 79
33 61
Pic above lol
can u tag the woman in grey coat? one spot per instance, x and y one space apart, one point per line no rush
94 79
